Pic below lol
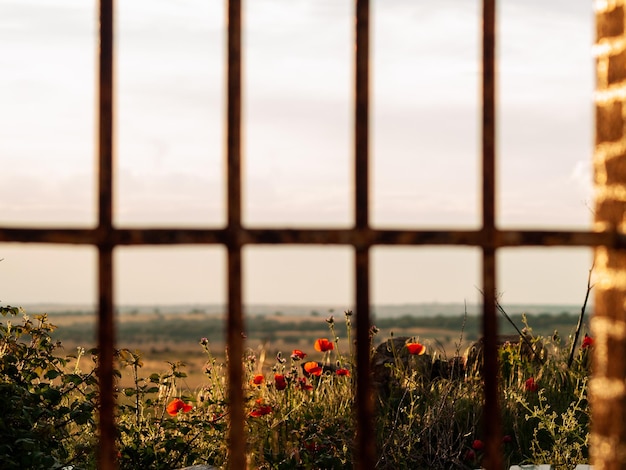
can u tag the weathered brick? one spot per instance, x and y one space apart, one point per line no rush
617 260
610 211
612 300
609 122
610 24
615 369
617 68
616 170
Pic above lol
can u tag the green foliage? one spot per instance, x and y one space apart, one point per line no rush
47 408
152 437
428 424
438 423
556 415
296 419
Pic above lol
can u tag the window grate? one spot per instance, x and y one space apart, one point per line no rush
361 237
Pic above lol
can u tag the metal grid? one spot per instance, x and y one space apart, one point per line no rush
105 237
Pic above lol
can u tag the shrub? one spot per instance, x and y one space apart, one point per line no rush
47 408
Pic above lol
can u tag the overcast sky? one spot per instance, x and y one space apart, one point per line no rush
297 144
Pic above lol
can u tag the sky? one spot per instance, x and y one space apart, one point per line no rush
297 130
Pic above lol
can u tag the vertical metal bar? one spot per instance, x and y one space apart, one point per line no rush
366 444
106 339
492 420
235 325
361 135
106 331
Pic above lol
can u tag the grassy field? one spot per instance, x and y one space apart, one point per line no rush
298 413
161 337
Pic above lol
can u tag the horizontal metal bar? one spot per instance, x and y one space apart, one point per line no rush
270 236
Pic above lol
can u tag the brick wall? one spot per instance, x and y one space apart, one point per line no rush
608 386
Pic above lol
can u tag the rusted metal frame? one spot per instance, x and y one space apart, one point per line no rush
106 324
105 237
106 348
235 325
265 236
492 421
366 454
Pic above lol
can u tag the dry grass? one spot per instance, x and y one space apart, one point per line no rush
157 354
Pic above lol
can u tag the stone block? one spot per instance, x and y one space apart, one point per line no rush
617 68
609 122
610 24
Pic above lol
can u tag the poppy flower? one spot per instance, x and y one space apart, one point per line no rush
416 348
313 368
279 382
470 455
257 380
261 410
304 385
313 446
345 372
507 439
530 385
177 405
478 444
296 355
323 345
587 342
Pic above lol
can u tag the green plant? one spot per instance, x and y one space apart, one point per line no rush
558 437
47 408
552 399
300 407
163 427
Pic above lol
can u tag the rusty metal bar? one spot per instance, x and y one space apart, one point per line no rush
366 442
106 327
492 421
361 116
106 345
235 324
366 453
361 237
321 236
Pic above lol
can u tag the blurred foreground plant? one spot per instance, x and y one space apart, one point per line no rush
47 407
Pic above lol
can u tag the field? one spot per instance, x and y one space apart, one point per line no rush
299 411
161 336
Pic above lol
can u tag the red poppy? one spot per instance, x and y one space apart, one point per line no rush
323 345
507 439
587 342
416 348
304 385
257 380
313 446
530 385
296 355
261 410
345 372
470 455
177 405
313 368
279 382
478 444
